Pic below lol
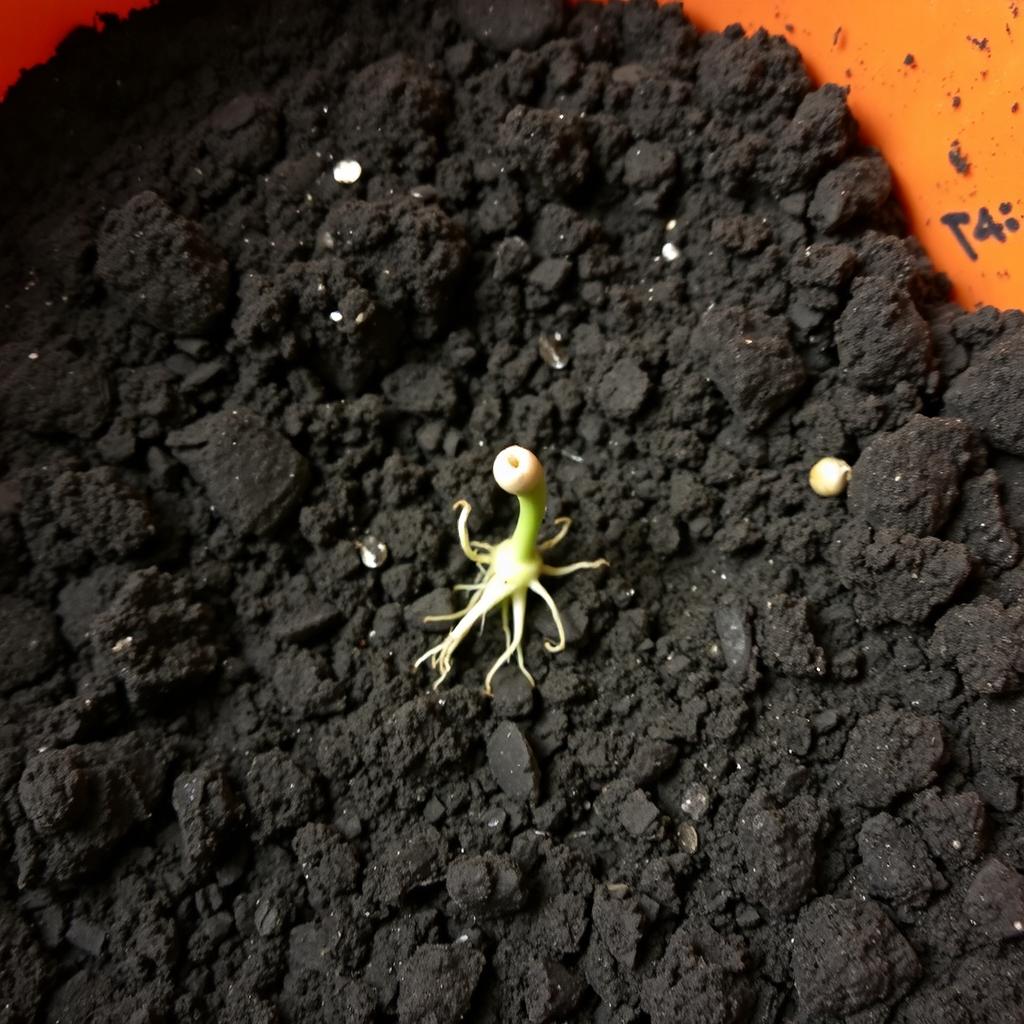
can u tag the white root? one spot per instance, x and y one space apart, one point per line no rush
508 592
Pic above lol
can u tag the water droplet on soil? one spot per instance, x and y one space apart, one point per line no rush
553 350
372 553
695 800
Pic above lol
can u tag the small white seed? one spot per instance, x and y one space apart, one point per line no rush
829 476
517 470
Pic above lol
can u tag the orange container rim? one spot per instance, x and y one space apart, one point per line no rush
937 90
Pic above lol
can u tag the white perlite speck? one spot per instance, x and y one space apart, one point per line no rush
347 172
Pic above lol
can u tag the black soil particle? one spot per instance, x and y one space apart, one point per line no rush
956 156
278 281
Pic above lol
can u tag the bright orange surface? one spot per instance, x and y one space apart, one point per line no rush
908 112
905 110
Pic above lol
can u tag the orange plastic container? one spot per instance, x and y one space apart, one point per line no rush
31 30
937 85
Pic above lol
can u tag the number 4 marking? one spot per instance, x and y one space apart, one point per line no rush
987 227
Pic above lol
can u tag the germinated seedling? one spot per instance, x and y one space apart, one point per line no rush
509 570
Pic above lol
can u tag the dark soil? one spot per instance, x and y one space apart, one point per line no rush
776 776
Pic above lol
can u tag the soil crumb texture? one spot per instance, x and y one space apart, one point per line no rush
278 282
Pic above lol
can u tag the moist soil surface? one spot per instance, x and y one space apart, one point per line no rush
776 774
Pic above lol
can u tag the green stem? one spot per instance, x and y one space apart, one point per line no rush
532 505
